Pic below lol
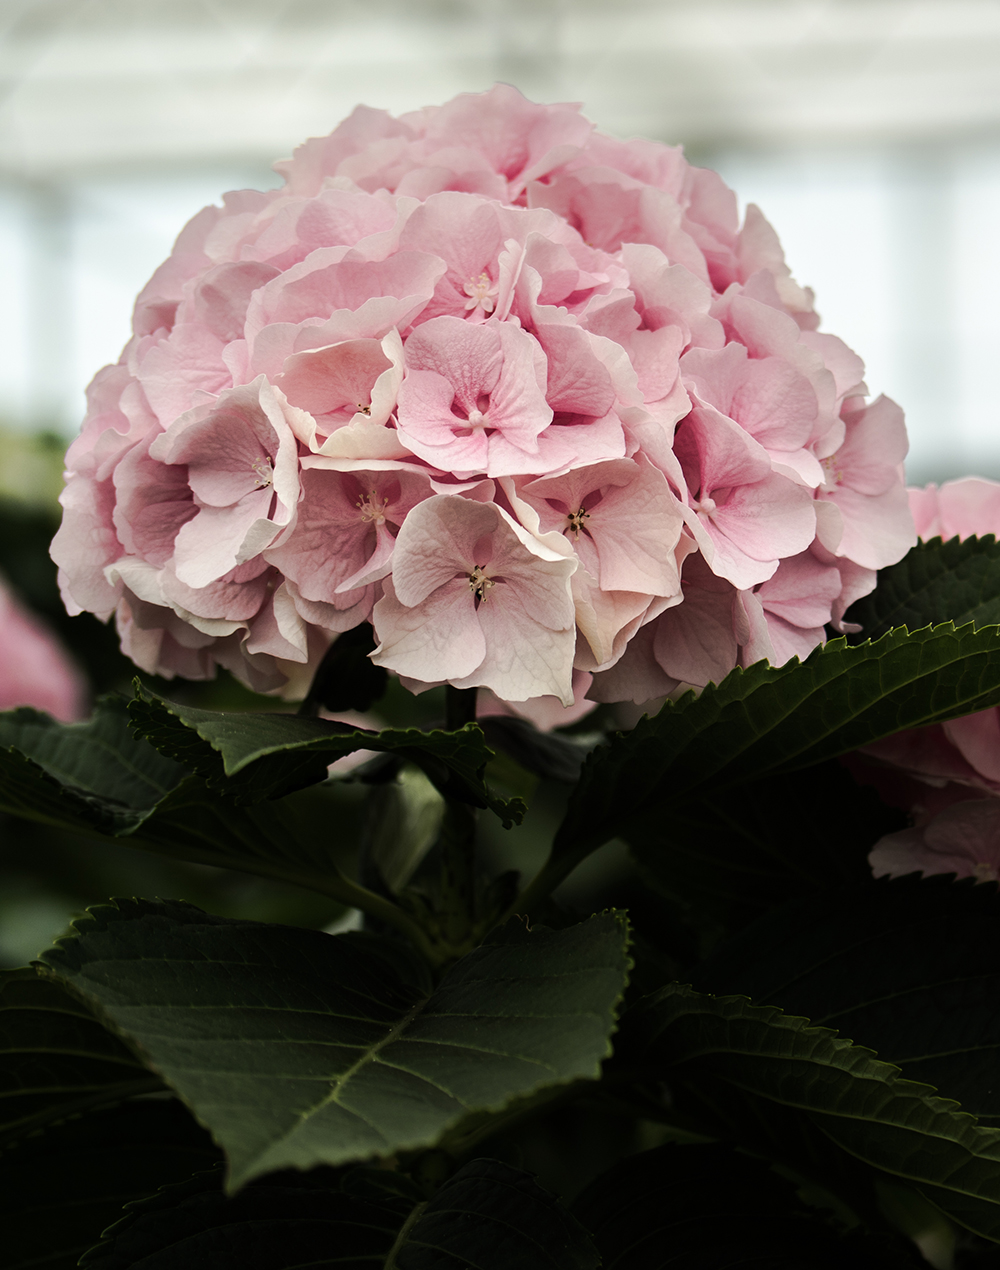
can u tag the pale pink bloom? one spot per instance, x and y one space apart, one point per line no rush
546 713
344 539
869 519
34 668
467 300
609 208
519 139
471 604
242 468
796 604
963 839
473 397
620 518
767 397
967 508
744 516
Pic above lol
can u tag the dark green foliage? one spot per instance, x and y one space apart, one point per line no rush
56 1059
487 1215
297 1048
953 581
838 1090
782 1088
257 756
910 968
492 1216
60 1189
286 1222
98 777
769 720
741 851
710 1208
547 754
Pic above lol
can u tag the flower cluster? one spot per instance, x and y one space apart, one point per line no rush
528 399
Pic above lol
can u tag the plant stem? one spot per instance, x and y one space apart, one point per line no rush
309 707
458 876
543 883
460 707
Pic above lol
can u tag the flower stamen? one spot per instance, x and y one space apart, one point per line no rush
263 471
482 293
372 508
479 584
576 520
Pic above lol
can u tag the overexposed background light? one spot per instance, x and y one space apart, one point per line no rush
867 130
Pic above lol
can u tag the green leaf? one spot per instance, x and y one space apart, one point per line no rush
56 1059
910 968
547 754
934 582
733 856
493 1217
768 720
487 1215
712 1206
99 778
252 757
285 1222
108 777
61 1189
298 1048
782 1088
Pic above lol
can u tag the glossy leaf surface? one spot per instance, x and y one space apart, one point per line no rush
298 1048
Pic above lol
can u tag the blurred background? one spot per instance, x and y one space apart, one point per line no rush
867 130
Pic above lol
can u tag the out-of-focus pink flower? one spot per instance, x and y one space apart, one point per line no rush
34 668
967 508
490 302
963 839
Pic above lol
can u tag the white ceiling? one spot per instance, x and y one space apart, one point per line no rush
99 85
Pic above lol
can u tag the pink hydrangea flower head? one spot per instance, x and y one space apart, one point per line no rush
529 399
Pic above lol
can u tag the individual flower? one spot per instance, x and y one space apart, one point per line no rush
474 603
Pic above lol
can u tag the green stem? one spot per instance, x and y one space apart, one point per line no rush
543 883
460 707
458 875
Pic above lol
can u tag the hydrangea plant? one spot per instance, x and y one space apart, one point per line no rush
480 437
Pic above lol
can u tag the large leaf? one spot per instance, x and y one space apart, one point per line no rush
297 1048
910 968
781 1087
768 719
252 757
690 1207
287 1222
61 1189
99 778
99 757
494 1217
56 1059
739 852
487 1215
934 582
